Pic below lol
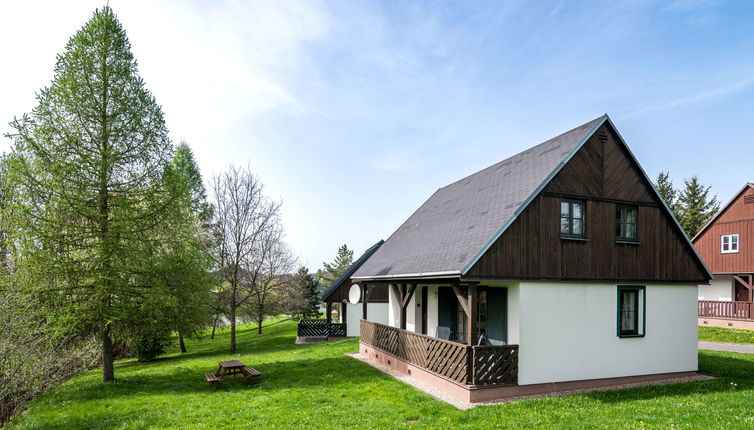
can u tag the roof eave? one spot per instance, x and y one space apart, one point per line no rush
403 276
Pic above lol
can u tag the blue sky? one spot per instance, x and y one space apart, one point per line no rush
354 112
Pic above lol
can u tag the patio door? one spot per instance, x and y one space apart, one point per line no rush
493 315
450 315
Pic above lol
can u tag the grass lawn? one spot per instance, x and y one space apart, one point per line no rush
730 335
318 386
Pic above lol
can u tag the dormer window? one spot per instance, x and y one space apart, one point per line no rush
728 243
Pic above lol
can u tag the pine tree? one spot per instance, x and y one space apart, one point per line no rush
339 265
695 206
89 201
302 295
664 186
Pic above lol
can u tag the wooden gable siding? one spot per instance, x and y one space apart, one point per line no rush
602 174
737 218
602 169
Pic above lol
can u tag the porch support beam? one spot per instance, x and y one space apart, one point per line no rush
462 298
329 313
471 314
343 310
364 299
407 291
748 284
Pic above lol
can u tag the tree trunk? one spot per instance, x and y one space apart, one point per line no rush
259 325
108 373
180 342
214 326
233 326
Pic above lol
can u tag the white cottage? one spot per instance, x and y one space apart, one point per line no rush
558 268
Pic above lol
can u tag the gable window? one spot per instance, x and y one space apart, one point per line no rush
572 219
625 222
631 311
728 243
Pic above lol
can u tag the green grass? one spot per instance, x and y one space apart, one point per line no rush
318 386
728 335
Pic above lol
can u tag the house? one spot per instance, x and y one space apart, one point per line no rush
727 245
558 268
350 309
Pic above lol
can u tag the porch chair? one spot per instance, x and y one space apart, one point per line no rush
443 333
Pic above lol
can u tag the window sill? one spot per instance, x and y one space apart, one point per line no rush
728 252
578 239
627 242
622 336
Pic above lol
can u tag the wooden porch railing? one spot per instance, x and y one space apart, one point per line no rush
320 328
722 309
470 365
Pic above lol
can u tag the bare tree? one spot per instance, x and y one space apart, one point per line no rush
250 249
267 273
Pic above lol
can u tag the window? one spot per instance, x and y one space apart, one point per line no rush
728 243
625 222
631 311
572 219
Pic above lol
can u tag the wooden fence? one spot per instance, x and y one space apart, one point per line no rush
721 309
471 365
320 328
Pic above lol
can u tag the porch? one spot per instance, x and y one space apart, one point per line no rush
461 364
726 314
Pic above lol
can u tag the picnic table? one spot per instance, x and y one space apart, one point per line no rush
231 370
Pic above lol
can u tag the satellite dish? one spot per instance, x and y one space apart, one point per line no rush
354 294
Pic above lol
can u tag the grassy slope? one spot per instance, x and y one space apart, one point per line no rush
729 335
316 386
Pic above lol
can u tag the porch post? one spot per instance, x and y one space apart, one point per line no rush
471 314
407 291
364 296
402 287
343 309
748 285
329 313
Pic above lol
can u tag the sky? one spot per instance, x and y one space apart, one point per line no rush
354 112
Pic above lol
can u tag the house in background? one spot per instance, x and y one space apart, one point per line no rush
337 297
558 268
727 245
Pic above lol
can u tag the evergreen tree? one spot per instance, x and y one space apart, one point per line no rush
89 202
302 295
332 271
695 206
187 260
664 186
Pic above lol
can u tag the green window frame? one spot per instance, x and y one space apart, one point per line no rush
631 311
626 222
572 219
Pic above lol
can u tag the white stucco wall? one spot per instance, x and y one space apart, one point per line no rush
377 312
720 288
568 332
394 308
432 316
514 314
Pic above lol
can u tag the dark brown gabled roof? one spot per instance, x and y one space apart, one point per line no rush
450 228
448 234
